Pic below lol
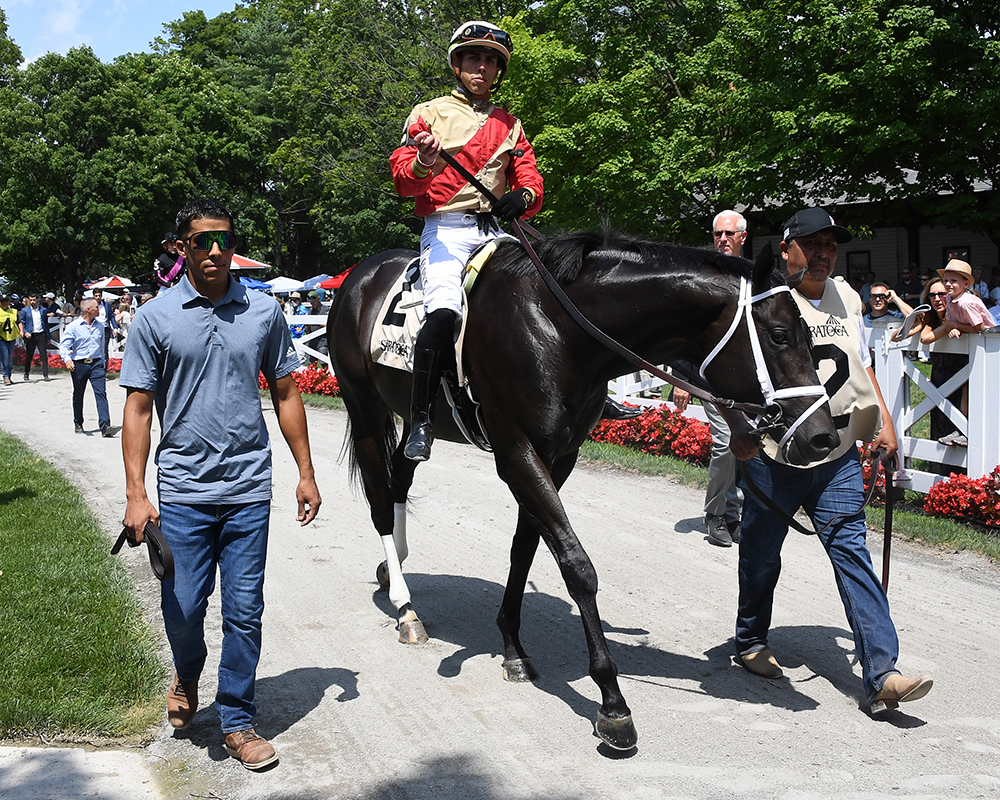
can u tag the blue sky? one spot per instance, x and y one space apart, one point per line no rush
110 27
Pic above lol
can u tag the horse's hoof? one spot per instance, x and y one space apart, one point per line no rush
412 632
382 575
618 733
519 670
411 629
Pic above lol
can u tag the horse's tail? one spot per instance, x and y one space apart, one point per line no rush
387 446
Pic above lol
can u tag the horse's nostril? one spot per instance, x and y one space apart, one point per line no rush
826 442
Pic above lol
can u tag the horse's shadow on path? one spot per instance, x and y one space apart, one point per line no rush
552 633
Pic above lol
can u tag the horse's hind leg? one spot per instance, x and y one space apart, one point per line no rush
390 572
373 434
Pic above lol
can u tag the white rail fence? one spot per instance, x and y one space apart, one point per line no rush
896 373
897 376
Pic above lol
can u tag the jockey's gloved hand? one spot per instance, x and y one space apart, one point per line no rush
512 205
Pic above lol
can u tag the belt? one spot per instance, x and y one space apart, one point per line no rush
86 360
160 557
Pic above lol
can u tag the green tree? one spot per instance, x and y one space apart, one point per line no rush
100 157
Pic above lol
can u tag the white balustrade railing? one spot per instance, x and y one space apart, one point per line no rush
897 375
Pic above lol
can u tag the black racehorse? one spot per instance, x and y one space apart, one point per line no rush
542 383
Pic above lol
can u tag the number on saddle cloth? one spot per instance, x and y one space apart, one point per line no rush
402 314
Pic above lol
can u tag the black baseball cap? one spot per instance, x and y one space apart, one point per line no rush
810 221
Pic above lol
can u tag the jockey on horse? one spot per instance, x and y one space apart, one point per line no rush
491 144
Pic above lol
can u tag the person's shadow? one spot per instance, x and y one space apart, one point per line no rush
288 697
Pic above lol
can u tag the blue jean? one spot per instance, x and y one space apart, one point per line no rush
6 358
234 539
823 491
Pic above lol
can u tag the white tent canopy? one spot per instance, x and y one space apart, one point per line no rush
114 282
283 285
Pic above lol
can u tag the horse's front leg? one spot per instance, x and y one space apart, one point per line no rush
534 488
517 665
411 629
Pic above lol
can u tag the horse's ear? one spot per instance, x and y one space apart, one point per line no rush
762 269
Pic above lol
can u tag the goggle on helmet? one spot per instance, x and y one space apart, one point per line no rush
478 35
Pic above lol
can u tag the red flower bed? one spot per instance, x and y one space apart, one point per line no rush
659 431
965 497
114 364
314 379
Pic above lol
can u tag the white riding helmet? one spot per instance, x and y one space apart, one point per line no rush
479 35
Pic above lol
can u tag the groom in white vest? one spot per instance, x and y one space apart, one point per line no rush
826 489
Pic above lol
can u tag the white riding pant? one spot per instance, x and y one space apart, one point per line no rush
449 238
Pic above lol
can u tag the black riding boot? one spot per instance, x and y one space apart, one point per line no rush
427 367
615 410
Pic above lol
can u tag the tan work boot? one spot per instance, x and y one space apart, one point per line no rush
250 749
898 689
182 702
762 663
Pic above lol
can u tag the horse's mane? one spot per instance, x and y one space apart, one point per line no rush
564 255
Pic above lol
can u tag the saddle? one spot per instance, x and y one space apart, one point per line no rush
400 319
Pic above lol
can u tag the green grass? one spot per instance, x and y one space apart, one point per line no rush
77 659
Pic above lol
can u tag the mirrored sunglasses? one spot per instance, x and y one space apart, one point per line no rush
481 32
203 241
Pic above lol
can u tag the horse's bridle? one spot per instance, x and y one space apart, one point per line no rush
771 395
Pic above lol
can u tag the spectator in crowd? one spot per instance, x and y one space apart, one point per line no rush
723 499
168 266
885 304
9 332
908 289
53 312
931 326
82 350
34 325
979 286
831 491
123 316
965 313
866 288
106 316
211 338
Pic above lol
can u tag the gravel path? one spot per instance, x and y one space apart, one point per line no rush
355 714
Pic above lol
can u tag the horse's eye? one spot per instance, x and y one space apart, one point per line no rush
779 336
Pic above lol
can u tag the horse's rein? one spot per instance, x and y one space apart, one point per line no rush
884 462
768 412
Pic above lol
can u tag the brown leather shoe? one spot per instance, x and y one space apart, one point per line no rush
182 702
250 749
898 689
762 663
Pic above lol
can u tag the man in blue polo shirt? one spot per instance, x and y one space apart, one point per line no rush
194 355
